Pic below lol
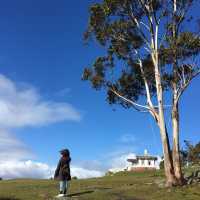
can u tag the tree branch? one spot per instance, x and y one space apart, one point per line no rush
139 28
138 107
187 83
149 101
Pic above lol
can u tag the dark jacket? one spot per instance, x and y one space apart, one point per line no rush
62 172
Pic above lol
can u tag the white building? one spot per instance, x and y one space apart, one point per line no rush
144 162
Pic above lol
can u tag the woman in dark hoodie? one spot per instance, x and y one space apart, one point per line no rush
62 172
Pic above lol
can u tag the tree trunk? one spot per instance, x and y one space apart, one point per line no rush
168 164
175 109
176 147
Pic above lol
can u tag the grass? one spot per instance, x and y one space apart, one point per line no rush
122 186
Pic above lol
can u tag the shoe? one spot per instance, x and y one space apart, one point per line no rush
60 195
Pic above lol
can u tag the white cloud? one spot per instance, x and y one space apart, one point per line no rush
15 162
25 169
11 148
81 172
113 161
22 105
119 163
38 170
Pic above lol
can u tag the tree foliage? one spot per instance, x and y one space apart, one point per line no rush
121 27
192 152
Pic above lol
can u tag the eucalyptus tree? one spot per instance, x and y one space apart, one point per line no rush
151 57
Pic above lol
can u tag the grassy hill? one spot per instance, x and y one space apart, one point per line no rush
122 186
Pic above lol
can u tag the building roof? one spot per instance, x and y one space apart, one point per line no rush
132 160
146 157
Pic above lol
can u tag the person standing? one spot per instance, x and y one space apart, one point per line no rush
62 172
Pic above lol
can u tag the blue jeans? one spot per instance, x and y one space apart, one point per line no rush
64 186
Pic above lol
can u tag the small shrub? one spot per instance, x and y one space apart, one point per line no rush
162 164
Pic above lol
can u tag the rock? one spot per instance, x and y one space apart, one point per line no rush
190 181
62 198
160 183
149 183
187 175
193 178
196 174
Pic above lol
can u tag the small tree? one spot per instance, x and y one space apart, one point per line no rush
192 153
151 52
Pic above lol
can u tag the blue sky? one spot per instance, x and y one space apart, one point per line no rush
42 47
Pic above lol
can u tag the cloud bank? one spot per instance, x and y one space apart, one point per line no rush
11 148
25 169
119 163
22 105
37 170
82 173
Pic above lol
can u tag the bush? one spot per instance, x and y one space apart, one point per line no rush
162 164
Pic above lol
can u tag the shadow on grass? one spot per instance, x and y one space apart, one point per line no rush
8 198
79 193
